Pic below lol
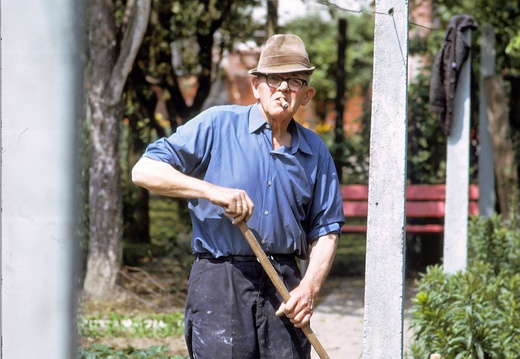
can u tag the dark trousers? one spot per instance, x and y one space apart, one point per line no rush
230 312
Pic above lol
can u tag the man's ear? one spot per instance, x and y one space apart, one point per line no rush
309 94
254 84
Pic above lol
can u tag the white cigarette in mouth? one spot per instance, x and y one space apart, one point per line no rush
285 104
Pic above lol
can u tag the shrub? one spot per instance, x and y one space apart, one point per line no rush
475 313
495 242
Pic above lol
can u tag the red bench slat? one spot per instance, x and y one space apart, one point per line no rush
422 201
414 192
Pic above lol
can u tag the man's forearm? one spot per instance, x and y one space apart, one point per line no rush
163 179
320 262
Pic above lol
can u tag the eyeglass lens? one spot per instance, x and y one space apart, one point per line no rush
294 84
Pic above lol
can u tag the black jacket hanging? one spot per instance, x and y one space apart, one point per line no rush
446 69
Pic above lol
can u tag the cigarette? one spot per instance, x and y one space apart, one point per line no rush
285 104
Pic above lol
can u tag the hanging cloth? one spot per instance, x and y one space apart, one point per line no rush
446 69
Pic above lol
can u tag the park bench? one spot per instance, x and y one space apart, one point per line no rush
424 202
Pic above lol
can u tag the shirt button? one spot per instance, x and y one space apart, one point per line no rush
266 212
263 241
268 126
269 183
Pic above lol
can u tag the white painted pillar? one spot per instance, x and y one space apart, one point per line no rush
40 99
384 277
457 175
486 167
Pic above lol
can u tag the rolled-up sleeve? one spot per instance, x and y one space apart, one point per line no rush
188 149
326 211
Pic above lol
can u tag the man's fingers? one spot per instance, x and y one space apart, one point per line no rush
299 314
241 210
303 323
281 310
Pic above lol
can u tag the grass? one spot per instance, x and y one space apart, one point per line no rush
115 325
97 351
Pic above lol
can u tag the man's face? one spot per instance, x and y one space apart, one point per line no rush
274 89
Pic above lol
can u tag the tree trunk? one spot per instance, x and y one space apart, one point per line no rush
505 167
339 134
110 62
514 118
105 200
272 18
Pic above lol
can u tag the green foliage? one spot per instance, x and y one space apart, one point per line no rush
181 40
350 256
97 351
495 242
472 314
475 313
159 325
503 15
320 37
356 150
426 157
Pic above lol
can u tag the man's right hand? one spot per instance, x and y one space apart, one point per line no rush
235 202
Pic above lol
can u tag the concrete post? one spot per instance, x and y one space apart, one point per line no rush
457 175
41 99
486 167
384 277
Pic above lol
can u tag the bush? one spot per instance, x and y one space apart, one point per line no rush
495 242
476 313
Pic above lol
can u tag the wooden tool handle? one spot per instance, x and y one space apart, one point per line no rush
280 287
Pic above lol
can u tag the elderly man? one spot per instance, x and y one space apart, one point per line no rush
256 164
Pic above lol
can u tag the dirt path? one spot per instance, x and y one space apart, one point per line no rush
338 319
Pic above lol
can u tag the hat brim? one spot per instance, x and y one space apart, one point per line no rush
281 69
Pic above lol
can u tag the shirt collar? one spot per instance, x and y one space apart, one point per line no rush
257 121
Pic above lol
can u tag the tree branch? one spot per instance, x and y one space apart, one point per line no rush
130 44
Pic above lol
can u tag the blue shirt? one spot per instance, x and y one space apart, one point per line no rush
295 189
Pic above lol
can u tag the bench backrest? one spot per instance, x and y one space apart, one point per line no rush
422 201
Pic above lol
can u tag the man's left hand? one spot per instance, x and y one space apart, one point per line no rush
299 307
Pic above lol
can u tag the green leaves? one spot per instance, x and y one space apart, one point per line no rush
476 313
160 325
504 16
97 351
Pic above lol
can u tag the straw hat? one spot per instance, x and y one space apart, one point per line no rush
283 54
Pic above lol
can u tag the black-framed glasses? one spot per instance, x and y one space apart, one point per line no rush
274 81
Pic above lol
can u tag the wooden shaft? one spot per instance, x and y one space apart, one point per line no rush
279 285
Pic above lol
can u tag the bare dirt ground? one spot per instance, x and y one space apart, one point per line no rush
337 322
338 319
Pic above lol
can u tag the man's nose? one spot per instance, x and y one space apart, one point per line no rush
284 85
